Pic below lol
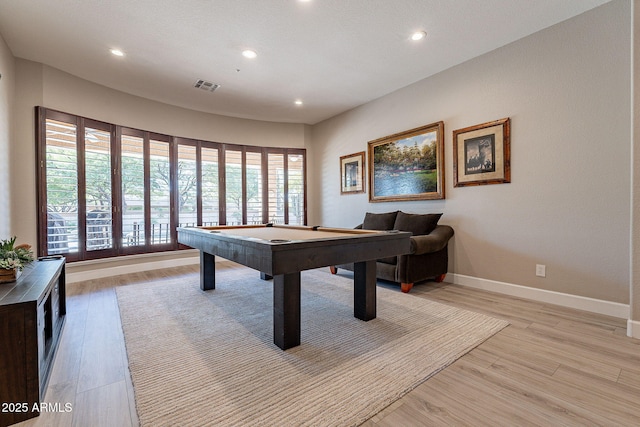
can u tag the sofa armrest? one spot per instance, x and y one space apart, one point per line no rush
431 242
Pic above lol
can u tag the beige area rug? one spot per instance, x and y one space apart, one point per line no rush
207 358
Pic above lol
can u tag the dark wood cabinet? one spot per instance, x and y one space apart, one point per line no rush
32 313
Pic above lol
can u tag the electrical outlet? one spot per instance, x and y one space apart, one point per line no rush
541 270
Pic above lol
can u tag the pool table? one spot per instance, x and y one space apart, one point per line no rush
281 252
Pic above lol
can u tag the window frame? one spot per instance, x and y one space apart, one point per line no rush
118 248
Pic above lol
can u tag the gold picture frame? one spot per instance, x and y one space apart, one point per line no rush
408 165
482 154
352 173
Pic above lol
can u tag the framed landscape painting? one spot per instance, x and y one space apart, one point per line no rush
408 165
482 154
352 173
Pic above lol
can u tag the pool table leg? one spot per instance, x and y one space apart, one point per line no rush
364 290
207 271
286 310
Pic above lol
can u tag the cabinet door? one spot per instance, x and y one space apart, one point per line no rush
55 306
13 370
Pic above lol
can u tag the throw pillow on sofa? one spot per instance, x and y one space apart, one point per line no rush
417 224
383 221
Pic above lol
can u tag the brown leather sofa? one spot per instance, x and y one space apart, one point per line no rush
428 258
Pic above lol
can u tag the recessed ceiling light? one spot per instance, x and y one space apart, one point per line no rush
117 52
249 53
418 35
297 102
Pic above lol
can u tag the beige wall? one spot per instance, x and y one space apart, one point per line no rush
38 84
634 318
99 102
23 190
7 86
567 92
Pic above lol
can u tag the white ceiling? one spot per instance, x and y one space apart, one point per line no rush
332 54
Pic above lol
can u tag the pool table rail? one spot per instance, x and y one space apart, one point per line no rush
274 258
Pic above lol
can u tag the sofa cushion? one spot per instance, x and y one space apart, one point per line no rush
383 221
418 224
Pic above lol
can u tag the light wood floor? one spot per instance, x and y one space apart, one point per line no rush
552 366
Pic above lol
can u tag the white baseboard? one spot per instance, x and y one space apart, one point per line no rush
593 305
633 328
103 269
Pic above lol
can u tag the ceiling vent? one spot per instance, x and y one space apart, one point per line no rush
205 85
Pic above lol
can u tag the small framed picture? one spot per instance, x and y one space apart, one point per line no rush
352 173
482 154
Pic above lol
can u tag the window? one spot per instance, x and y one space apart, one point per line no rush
133 208
233 181
187 186
160 192
275 165
107 190
210 186
253 178
61 153
97 189
296 189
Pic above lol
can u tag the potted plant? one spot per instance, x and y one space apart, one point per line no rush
13 258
